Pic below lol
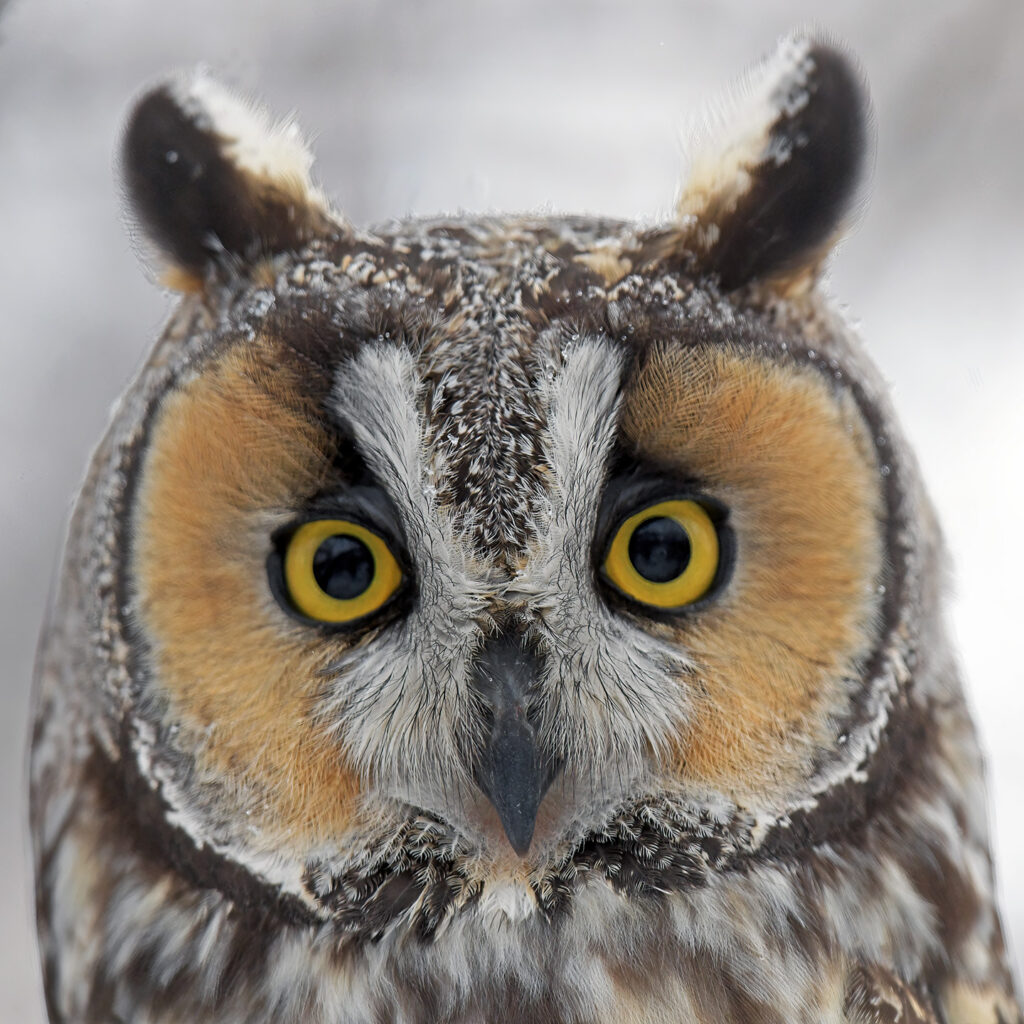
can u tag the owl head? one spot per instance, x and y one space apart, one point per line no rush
458 557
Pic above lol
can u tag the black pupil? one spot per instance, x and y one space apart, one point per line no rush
659 549
343 567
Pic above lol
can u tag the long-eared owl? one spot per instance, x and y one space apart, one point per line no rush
514 618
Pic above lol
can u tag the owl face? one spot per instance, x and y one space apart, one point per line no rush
493 551
489 531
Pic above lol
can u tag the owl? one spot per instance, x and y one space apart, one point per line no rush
529 619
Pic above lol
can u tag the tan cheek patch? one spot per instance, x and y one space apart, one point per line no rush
793 461
228 451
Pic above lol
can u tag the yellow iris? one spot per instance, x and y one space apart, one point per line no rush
338 571
666 555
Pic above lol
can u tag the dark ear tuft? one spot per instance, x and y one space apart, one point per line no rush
771 201
209 175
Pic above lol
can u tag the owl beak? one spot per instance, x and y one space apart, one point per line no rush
511 770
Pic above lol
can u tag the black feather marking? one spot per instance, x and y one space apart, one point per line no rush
806 180
193 201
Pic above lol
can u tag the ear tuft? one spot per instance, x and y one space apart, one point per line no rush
209 175
769 198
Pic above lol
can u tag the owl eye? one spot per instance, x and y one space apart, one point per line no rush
338 571
667 555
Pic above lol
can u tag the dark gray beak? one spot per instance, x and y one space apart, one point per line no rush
512 771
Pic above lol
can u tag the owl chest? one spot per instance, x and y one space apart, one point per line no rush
165 950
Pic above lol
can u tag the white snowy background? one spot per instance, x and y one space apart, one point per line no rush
540 105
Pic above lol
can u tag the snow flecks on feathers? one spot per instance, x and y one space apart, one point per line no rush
734 134
486 419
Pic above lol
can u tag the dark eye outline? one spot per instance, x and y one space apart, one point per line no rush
625 498
366 507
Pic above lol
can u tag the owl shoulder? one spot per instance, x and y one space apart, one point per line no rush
876 995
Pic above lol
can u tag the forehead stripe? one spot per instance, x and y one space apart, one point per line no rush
375 396
378 395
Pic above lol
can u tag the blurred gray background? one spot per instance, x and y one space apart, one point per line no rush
539 105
